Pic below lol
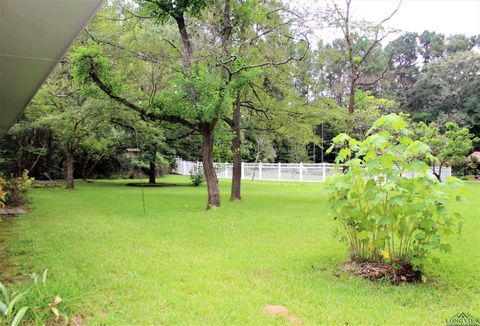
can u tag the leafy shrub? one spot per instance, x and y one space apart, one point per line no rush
16 190
390 209
3 193
196 175
36 303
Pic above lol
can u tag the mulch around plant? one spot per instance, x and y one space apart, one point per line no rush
403 273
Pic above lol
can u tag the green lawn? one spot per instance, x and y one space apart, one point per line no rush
179 264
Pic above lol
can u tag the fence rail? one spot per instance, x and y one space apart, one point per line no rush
300 172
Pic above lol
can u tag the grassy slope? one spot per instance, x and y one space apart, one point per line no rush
179 264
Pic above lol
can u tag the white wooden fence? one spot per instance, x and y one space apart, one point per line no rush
301 172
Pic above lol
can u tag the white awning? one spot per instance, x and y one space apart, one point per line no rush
34 35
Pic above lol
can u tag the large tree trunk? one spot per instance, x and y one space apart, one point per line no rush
208 169
237 154
69 169
152 171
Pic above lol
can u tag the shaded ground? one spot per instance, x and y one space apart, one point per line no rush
9 270
150 185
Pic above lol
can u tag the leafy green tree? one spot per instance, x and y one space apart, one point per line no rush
25 146
255 37
145 144
103 143
404 53
197 98
369 109
362 40
448 86
473 164
450 144
212 75
432 46
457 43
70 112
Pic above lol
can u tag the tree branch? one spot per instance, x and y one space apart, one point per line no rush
162 117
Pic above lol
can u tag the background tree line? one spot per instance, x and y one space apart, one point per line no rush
233 80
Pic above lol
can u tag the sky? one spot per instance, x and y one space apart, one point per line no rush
444 16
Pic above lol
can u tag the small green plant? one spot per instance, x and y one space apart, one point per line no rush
10 313
390 210
38 304
196 175
43 307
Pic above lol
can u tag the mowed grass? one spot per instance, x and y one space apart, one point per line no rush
180 264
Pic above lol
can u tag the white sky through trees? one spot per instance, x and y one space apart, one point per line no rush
444 16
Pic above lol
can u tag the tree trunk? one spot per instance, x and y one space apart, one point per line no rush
90 170
208 169
187 46
351 99
227 25
69 170
437 174
83 172
237 154
152 171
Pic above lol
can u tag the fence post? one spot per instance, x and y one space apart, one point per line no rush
301 171
225 172
184 167
243 170
324 171
279 171
260 171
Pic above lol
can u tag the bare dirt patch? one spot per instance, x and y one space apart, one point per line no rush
78 321
283 312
